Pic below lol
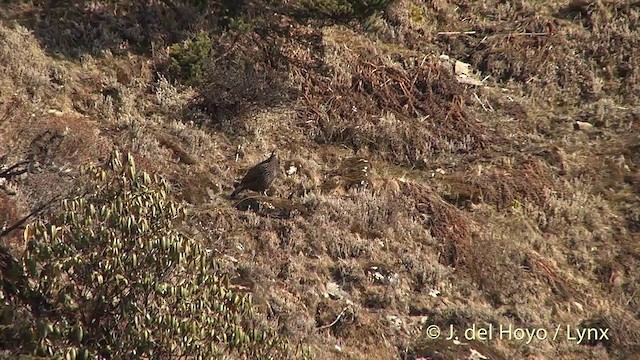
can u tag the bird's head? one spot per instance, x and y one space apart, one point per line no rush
274 157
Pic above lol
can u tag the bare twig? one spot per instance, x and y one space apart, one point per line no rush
456 33
480 101
8 173
449 33
525 34
35 212
423 60
334 321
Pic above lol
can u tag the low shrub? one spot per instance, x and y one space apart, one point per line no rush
116 278
187 60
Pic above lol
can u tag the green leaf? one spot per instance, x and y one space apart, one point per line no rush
71 354
77 334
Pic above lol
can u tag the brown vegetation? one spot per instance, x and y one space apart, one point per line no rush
410 197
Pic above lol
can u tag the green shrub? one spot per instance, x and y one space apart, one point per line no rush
188 59
125 282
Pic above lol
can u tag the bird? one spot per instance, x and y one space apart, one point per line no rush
260 177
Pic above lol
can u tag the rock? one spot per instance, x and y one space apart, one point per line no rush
395 322
55 112
581 125
468 80
379 274
463 72
291 170
461 68
335 292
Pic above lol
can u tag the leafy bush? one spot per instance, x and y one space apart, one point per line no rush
123 281
188 59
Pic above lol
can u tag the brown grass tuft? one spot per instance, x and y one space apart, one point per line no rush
485 205
404 110
448 225
530 181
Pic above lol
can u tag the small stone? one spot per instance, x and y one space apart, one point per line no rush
378 277
292 170
468 80
55 112
9 190
581 125
578 306
395 321
475 355
393 279
461 68
334 291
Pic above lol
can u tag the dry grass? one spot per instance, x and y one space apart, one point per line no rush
406 110
467 213
9 212
19 45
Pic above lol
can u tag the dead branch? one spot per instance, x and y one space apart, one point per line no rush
334 321
33 213
447 33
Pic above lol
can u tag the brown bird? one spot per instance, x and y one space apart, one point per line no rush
260 177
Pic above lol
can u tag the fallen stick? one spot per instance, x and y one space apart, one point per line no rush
507 34
456 33
525 34
334 322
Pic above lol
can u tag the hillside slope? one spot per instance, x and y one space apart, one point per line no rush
444 163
